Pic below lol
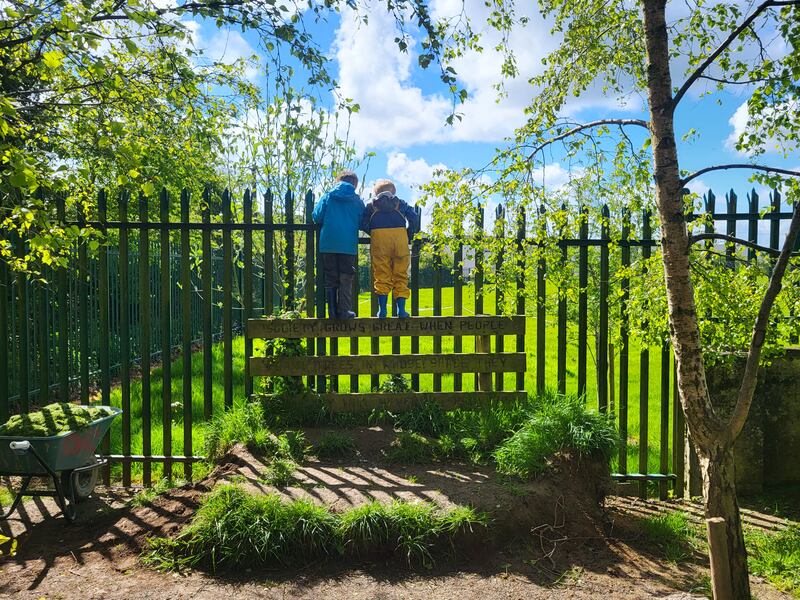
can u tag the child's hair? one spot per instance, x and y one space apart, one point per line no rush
348 176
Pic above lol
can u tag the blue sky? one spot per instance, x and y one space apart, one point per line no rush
403 107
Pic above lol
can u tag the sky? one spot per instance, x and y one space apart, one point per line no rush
403 108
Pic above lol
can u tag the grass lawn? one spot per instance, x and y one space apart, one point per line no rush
426 382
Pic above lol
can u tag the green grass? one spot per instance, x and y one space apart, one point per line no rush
410 447
147 495
776 557
280 473
673 534
236 529
334 445
556 424
652 408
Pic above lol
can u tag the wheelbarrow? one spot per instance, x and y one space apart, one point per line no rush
68 459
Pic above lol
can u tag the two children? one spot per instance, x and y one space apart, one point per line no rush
390 222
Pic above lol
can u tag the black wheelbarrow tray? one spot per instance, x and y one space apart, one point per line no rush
68 459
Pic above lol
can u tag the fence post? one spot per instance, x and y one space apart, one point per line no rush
562 320
269 254
583 297
83 317
499 340
105 338
4 366
416 248
644 369
208 302
625 284
522 250
541 303
145 349
124 337
437 311
478 283
458 303
663 486
483 345
309 265
752 223
289 275
166 338
63 315
730 222
720 566
227 300
247 287
602 344
186 310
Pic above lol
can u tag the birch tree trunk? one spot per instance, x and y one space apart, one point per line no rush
711 438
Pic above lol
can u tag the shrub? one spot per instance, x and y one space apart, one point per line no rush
233 528
557 424
335 445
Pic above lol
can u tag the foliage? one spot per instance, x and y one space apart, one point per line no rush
280 473
233 528
561 425
246 424
411 448
53 419
776 556
396 384
673 534
148 494
334 445
426 417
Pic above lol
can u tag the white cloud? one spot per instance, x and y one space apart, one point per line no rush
553 175
227 47
783 143
410 172
698 186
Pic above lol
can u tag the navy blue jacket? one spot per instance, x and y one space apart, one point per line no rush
387 212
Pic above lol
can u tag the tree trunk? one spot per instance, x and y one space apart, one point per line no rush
719 492
706 429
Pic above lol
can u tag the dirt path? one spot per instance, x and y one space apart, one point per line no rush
554 552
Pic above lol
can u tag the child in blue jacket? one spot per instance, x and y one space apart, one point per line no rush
391 223
339 212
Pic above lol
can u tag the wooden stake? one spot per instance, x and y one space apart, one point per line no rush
720 564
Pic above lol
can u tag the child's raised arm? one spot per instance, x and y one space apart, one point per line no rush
318 215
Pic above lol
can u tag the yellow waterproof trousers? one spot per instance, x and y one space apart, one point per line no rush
390 259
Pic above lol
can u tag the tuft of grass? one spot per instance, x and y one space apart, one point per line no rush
233 528
558 423
427 417
147 495
673 534
335 445
281 473
411 448
776 557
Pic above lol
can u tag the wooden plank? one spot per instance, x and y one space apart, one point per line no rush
166 341
144 337
404 402
416 248
354 341
377 363
124 337
541 308
269 254
321 349
372 326
186 319
478 270
483 345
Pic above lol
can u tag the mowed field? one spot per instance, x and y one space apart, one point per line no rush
654 400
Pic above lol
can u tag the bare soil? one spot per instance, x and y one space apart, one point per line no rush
553 537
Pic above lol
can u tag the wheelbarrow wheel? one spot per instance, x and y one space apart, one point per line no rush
82 485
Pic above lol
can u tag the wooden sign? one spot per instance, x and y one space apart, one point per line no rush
372 327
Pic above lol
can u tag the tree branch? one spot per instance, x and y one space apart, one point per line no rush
745 398
693 239
579 128
728 41
764 168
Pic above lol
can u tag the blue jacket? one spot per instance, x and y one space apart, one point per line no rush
339 212
387 212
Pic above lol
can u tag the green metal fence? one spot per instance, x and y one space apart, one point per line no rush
173 286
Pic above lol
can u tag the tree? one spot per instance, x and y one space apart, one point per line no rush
624 50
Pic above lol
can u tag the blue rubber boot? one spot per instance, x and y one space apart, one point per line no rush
382 300
401 309
330 298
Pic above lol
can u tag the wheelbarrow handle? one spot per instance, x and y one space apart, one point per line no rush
20 447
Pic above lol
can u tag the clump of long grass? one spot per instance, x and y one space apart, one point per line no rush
335 445
558 423
233 528
673 534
